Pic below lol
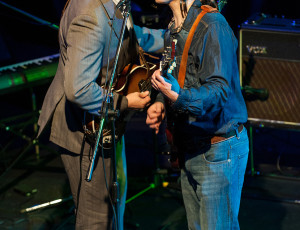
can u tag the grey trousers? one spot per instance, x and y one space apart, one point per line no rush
91 199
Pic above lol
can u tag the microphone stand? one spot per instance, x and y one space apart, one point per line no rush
107 109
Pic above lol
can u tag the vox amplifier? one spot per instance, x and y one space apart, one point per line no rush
269 60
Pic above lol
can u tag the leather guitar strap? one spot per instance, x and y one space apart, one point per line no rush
183 64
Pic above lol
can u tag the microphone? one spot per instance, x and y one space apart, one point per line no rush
252 94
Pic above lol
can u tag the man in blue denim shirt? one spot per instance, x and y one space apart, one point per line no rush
207 113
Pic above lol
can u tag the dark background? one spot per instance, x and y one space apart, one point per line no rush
268 202
22 38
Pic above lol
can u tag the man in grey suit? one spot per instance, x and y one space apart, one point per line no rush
84 39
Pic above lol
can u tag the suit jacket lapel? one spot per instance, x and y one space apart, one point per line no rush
113 13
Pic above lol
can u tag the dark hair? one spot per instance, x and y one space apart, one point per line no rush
183 8
211 3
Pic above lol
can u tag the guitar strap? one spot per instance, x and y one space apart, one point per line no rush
183 64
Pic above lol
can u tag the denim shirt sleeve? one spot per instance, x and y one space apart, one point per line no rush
214 74
151 40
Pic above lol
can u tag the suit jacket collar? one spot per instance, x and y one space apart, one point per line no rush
115 16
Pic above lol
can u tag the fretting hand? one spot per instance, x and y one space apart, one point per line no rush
171 80
168 87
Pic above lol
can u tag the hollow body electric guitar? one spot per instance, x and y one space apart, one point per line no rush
135 78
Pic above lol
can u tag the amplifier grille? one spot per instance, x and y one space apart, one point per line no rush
281 78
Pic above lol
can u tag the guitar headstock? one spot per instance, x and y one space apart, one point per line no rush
165 60
221 4
167 63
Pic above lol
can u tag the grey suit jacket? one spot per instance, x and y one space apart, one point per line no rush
84 50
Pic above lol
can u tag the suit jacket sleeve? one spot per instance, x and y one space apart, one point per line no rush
86 42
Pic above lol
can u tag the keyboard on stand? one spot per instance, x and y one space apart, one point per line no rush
24 75
28 73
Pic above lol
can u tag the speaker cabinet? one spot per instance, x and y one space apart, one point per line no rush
269 60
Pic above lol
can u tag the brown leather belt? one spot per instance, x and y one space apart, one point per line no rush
225 136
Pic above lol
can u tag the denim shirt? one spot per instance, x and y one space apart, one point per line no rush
211 100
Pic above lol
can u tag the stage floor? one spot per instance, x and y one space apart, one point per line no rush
270 197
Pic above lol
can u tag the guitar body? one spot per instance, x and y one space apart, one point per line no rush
134 78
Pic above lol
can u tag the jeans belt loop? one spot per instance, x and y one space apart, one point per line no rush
236 132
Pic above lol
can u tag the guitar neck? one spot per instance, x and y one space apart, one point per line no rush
145 85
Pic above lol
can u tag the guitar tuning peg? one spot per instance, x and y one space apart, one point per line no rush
171 67
169 71
174 64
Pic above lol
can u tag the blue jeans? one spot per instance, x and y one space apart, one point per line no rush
212 181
